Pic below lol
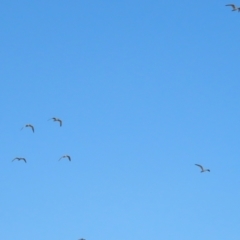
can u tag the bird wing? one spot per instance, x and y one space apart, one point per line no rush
14 159
232 5
23 160
31 127
61 158
199 166
60 121
69 158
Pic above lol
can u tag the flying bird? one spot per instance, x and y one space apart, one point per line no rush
234 7
202 169
65 156
19 159
28 125
57 120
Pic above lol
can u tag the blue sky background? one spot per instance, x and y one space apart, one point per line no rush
145 90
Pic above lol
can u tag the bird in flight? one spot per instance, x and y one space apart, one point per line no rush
202 168
19 159
234 7
57 120
28 125
65 156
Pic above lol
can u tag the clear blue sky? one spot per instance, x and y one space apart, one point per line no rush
145 90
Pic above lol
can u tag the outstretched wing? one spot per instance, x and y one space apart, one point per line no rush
61 158
199 166
23 160
69 158
60 121
31 126
231 5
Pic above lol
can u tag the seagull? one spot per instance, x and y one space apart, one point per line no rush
202 169
57 120
28 125
234 8
65 156
19 159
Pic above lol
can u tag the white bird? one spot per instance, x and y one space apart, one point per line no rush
234 7
57 120
28 125
19 159
65 156
202 169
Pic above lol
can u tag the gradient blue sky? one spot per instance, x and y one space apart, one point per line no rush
145 90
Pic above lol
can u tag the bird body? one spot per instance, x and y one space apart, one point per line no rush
19 159
57 120
234 7
202 168
65 156
28 125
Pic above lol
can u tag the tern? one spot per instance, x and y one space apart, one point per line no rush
57 120
19 159
28 125
202 169
65 156
234 8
